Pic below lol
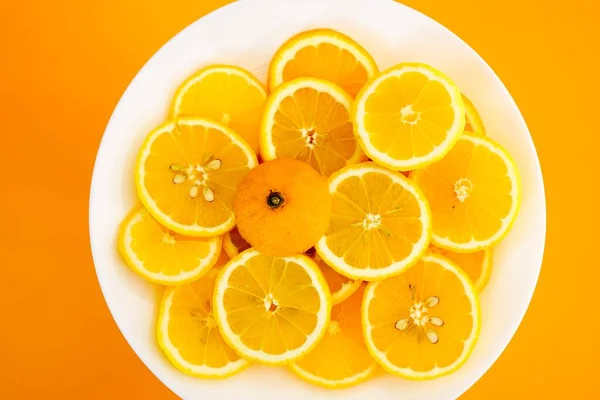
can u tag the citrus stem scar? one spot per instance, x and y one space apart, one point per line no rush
275 200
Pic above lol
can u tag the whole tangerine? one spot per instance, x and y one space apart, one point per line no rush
282 207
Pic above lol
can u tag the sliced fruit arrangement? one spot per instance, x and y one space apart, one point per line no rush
223 93
341 358
309 119
423 323
380 223
409 116
477 265
272 309
161 255
324 54
282 207
187 173
188 334
363 237
474 194
473 122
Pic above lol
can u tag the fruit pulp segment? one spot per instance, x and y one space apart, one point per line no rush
186 151
469 192
408 115
192 328
271 304
329 62
375 221
313 127
405 298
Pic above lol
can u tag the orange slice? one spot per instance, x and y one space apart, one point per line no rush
324 54
309 119
473 120
409 116
272 310
162 256
423 323
474 194
234 243
187 173
340 286
380 223
477 265
223 93
341 358
188 334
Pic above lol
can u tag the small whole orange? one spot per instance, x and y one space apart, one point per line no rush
282 207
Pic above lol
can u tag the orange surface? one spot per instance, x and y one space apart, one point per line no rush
65 64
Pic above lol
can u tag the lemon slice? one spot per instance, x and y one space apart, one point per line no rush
234 243
341 287
477 265
409 116
341 358
474 193
188 334
324 54
223 93
423 323
162 256
309 119
473 120
187 173
380 223
271 309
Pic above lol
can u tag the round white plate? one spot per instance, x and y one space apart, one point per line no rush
247 33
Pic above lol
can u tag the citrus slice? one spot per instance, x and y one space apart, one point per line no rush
423 323
324 54
309 119
380 223
162 256
341 358
477 265
271 309
474 194
234 243
473 120
188 334
409 116
223 93
341 287
187 173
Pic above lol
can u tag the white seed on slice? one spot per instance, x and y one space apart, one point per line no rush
194 192
436 321
432 301
432 336
208 194
213 165
402 324
179 178
176 167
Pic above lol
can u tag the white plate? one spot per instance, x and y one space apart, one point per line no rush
246 33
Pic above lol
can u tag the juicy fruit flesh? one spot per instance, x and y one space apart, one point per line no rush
408 115
329 62
229 98
314 127
375 221
469 192
342 353
194 156
271 305
471 263
177 253
431 318
192 329
340 286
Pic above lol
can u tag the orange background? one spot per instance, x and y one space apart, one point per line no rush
64 66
